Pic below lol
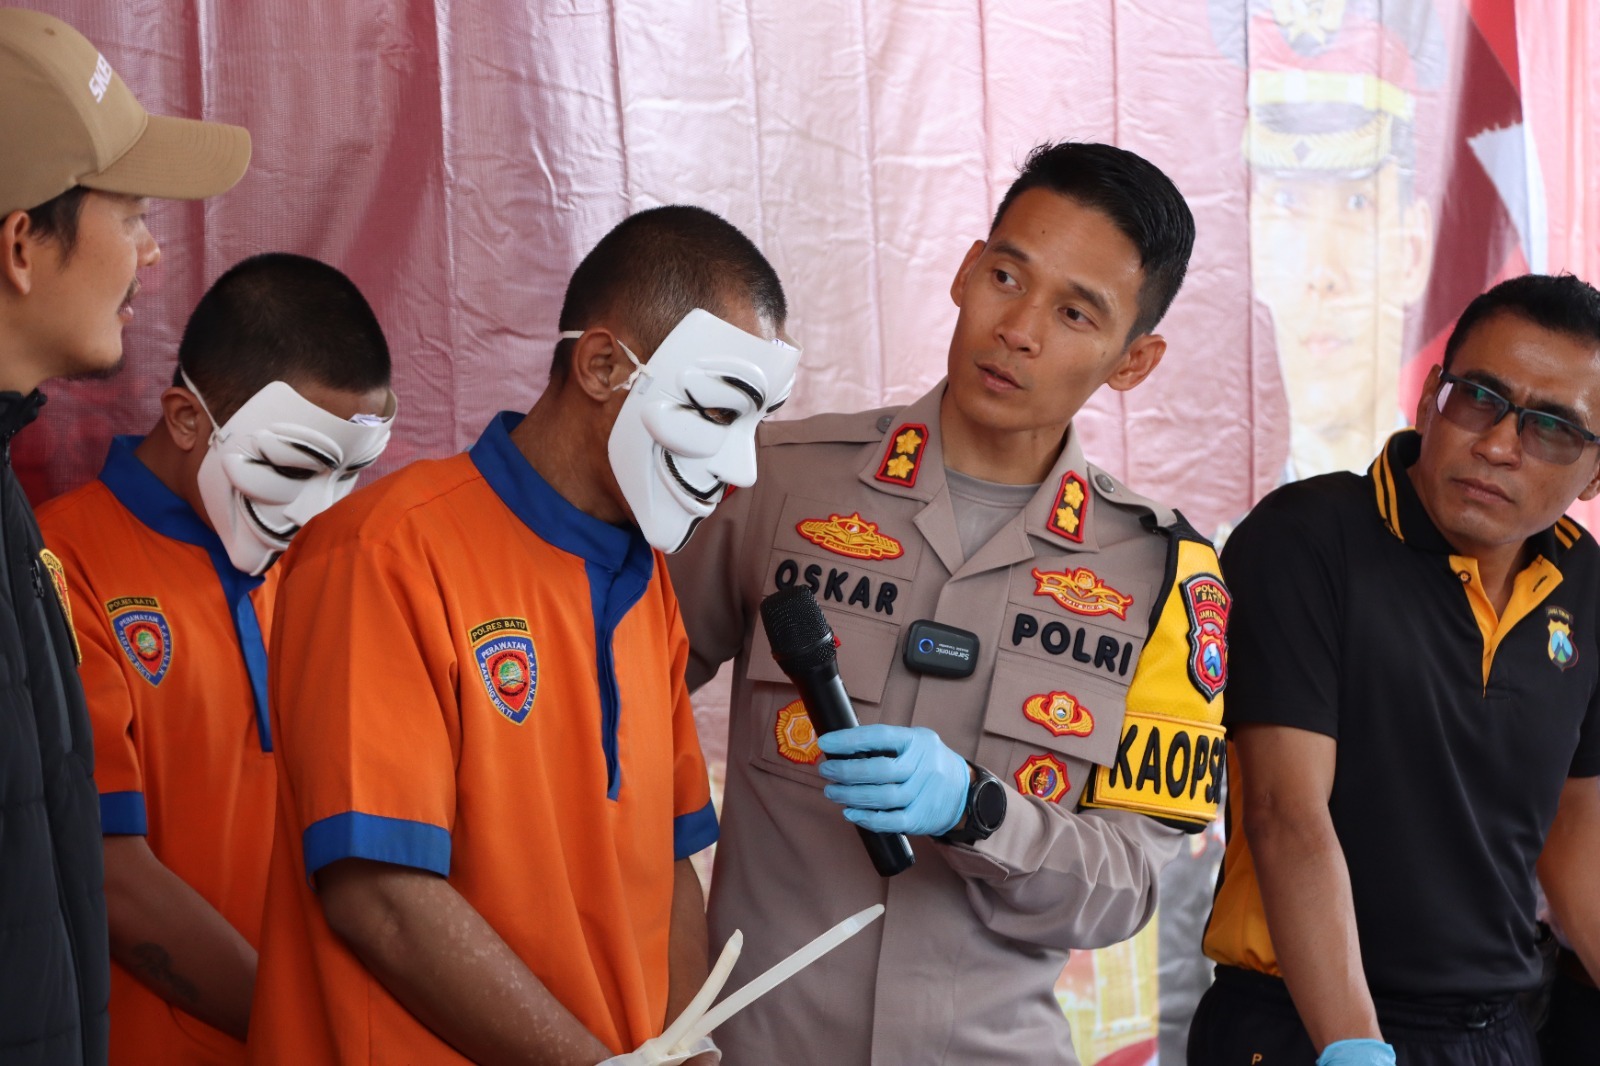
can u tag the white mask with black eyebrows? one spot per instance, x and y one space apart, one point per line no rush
277 463
688 427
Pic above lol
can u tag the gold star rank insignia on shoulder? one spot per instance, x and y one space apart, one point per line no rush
904 455
1066 514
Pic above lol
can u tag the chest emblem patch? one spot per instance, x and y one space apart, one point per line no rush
797 737
1206 600
508 665
1066 514
1059 712
58 581
1081 591
1043 776
851 536
904 455
141 628
1561 649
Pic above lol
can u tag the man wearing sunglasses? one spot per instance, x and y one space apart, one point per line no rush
1415 717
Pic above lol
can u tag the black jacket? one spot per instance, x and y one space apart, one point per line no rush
54 956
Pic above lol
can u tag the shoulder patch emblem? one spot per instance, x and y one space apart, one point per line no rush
1043 776
1082 592
58 580
142 630
1561 650
508 665
904 455
1059 712
1206 600
1066 514
797 737
851 536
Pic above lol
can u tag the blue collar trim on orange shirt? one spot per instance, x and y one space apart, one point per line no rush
619 562
148 499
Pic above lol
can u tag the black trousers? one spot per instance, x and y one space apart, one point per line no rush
1248 1019
1571 1033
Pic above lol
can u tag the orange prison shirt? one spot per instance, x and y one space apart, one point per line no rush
474 678
172 655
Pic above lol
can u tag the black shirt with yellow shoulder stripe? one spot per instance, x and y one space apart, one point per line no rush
1457 729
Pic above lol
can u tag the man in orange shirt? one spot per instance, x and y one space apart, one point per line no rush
167 556
489 780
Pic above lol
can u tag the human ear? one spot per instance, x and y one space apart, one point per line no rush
1427 403
1136 364
595 369
959 284
1417 247
20 246
184 418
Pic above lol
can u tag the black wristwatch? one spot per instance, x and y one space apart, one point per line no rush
986 809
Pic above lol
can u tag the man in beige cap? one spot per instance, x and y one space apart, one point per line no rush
80 155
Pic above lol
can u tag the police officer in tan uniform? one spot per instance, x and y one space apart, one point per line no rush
1044 791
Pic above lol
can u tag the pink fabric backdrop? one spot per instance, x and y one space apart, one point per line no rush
456 158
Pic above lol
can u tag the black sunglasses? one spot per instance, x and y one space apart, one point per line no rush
1545 436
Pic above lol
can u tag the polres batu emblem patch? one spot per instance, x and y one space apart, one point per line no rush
142 630
1206 600
1560 648
508 664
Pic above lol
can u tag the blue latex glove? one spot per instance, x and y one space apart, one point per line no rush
917 786
1357 1053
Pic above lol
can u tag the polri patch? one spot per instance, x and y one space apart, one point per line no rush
142 630
1206 600
797 737
1560 648
1081 591
1060 713
508 664
58 580
1043 776
851 536
904 455
1066 514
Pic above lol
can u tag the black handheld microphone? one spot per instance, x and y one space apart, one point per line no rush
803 647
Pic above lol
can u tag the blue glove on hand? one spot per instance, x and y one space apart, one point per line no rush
1357 1053
911 784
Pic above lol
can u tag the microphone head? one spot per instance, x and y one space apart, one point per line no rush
797 629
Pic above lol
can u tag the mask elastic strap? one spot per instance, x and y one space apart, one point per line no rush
216 428
638 367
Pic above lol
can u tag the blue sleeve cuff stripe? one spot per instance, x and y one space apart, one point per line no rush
122 814
694 832
354 835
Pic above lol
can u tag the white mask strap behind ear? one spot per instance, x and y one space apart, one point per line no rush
216 427
638 367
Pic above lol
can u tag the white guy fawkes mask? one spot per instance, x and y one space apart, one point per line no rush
688 427
278 462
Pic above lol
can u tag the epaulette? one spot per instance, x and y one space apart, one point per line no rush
856 427
1115 493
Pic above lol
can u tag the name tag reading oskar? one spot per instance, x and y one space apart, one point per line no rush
1168 768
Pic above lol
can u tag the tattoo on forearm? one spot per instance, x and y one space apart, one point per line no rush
153 962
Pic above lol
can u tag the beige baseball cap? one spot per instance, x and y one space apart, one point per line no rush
67 119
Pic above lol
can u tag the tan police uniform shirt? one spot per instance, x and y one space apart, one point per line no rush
1073 680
